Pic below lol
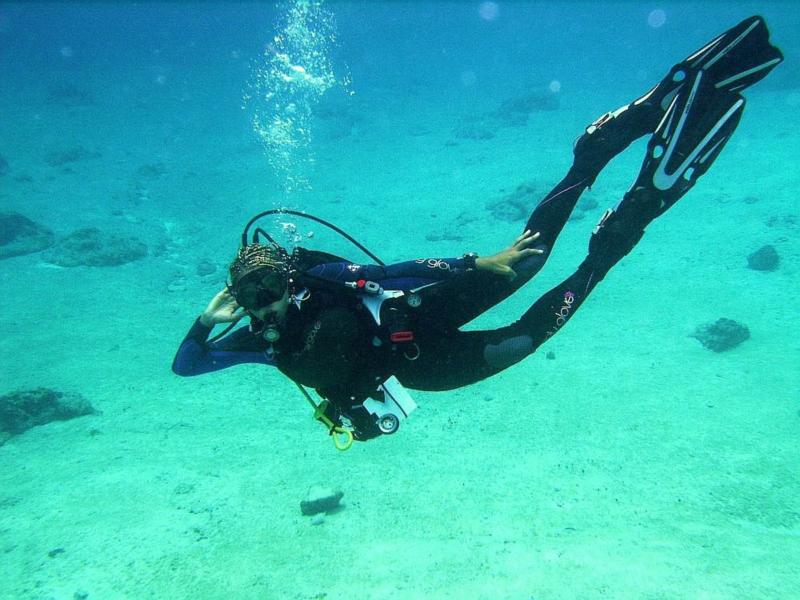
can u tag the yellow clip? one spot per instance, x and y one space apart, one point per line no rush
342 438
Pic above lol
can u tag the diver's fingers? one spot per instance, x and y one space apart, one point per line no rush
526 238
222 298
504 269
233 317
217 301
531 252
230 300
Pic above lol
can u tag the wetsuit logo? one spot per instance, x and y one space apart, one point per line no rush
563 313
312 336
434 263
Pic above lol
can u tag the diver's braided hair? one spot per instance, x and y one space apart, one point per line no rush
257 256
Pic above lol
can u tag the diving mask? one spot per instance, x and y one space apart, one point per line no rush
258 289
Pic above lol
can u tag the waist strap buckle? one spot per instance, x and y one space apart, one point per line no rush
400 337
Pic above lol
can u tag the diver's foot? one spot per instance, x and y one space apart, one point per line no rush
730 63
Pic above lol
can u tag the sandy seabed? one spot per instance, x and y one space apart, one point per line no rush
630 463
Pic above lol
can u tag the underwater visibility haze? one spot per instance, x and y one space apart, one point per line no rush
648 448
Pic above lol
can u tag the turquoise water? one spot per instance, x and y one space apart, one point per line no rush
621 460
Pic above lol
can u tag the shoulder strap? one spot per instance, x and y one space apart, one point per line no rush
305 259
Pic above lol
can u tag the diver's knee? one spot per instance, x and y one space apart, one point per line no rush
508 352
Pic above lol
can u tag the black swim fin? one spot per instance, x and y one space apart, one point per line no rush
696 126
733 61
729 63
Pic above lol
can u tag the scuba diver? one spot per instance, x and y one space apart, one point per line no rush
359 334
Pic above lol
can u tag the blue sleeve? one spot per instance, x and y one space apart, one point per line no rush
401 275
195 356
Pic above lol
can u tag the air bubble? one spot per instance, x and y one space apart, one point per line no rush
286 85
488 11
656 18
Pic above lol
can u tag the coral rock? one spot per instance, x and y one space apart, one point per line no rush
91 247
320 500
21 410
59 158
764 259
721 335
515 206
19 235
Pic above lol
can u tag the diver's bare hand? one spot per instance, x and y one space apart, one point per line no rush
502 262
222 309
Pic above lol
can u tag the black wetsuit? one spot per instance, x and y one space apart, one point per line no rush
333 344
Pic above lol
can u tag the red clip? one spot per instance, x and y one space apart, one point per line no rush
398 337
361 283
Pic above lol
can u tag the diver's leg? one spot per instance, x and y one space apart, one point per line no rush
455 359
729 63
460 358
693 131
460 300
455 302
